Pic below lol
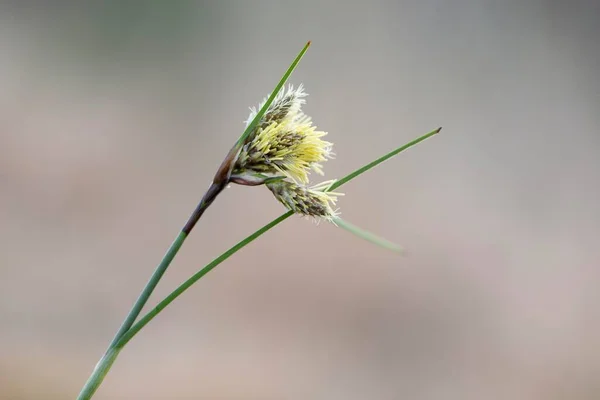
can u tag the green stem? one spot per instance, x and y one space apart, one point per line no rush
111 353
150 286
220 181
186 285
99 373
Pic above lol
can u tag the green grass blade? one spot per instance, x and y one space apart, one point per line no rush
188 283
371 237
386 157
274 93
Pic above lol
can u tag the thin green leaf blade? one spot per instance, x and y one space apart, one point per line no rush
368 236
274 93
381 159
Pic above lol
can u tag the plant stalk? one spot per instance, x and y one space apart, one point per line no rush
220 181
113 350
99 373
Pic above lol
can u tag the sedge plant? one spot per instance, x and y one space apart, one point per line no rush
279 149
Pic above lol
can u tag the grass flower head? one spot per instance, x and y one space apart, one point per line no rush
284 141
315 201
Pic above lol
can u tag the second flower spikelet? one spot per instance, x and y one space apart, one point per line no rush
284 141
314 202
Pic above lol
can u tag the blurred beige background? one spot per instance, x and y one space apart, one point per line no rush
114 117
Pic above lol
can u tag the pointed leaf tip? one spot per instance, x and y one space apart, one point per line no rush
368 236
269 100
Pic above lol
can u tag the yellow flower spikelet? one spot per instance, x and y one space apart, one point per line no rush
285 142
292 148
313 201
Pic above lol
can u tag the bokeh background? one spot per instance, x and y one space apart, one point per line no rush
114 116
